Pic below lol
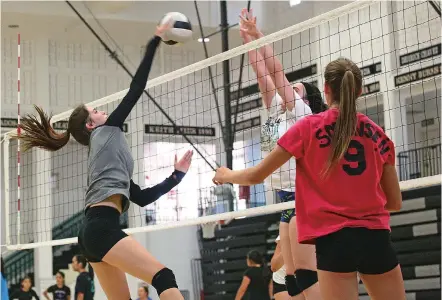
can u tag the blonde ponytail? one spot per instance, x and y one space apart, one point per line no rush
345 81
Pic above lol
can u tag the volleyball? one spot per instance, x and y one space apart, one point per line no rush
181 30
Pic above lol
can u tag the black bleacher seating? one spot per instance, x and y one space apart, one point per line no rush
416 235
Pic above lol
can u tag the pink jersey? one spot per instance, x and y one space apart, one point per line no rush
351 196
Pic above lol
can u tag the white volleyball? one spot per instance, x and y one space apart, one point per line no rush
181 30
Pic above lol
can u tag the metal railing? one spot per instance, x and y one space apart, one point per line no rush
197 278
420 162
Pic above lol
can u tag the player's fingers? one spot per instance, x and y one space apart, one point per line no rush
188 155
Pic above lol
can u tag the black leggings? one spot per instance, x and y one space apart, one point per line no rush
99 232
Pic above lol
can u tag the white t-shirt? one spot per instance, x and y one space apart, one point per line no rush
277 122
279 276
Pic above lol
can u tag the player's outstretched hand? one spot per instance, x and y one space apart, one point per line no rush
183 164
221 175
161 29
248 23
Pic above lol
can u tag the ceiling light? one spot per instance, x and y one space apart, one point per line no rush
294 2
205 40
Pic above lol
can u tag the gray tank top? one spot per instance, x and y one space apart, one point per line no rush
110 165
110 162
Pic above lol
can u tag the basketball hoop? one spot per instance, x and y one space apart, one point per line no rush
209 230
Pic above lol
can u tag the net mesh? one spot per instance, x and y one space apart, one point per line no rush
397 46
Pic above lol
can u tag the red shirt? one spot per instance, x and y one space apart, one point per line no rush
351 196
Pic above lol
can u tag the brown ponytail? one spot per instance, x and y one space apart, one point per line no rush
41 134
345 81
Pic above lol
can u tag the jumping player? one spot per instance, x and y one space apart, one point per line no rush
283 105
111 252
278 269
346 184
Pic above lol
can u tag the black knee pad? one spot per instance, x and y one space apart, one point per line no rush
164 280
292 286
306 278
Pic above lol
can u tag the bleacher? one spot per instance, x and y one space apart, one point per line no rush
416 234
223 258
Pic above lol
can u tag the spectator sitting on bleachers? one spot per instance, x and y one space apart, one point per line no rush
143 293
25 292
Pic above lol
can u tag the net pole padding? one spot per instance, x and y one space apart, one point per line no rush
6 184
268 39
18 140
250 212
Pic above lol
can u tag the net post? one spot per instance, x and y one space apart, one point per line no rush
227 132
6 184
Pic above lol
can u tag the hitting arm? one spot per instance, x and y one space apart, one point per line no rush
137 86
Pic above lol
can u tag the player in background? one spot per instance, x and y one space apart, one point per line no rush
59 290
256 281
278 277
346 185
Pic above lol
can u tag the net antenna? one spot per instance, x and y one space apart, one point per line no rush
18 140
114 56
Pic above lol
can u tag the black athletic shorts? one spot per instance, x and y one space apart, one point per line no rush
278 288
288 214
99 232
367 251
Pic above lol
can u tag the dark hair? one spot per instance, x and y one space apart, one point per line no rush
41 134
81 260
146 289
345 82
314 98
61 274
26 277
256 257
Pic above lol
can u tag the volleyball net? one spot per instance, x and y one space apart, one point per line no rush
396 44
